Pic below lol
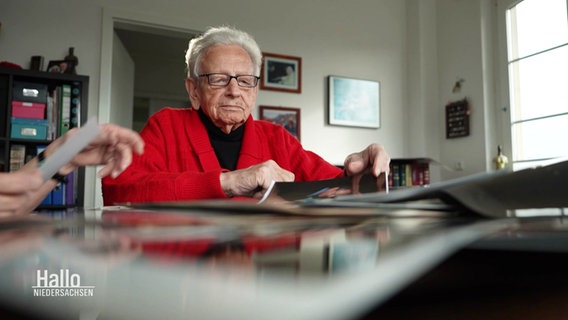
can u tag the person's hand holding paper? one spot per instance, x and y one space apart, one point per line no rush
93 144
113 146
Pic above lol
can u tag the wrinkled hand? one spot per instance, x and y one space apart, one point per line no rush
373 159
113 148
17 190
255 180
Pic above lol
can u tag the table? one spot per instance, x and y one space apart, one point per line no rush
125 263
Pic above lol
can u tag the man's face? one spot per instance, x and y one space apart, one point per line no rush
228 107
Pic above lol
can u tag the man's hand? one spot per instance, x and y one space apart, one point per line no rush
113 148
373 159
254 180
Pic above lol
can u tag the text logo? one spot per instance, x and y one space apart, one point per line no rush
62 284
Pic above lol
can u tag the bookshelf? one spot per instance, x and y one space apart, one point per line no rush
35 108
409 172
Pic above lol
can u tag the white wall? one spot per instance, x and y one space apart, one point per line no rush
458 50
424 126
415 48
122 80
466 50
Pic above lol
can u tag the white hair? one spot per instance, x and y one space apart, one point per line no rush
221 36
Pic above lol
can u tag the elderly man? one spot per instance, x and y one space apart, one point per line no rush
215 149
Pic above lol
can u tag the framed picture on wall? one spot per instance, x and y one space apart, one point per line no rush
457 119
289 118
281 73
353 102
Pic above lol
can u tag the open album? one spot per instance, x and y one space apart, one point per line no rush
490 194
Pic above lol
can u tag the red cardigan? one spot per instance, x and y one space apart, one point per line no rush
179 162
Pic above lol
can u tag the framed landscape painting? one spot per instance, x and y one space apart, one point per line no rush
353 102
289 118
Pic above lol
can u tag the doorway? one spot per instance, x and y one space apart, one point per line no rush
159 68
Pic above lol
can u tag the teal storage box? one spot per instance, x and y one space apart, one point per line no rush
35 129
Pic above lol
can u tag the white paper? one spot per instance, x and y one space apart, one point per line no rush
70 148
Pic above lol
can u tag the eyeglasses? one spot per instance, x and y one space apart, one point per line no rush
222 80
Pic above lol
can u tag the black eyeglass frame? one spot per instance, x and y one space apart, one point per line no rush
230 77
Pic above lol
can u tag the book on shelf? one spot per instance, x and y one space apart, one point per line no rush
46 201
75 116
53 107
69 189
394 175
49 118
57 195
65 112
17 157
402 174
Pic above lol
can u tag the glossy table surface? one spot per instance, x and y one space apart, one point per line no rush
123 263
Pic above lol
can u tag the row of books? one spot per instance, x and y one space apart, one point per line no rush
409 173
17 157
62 194
63 109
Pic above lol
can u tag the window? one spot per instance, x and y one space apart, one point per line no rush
537 39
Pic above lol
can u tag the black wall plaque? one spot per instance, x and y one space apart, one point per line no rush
457 119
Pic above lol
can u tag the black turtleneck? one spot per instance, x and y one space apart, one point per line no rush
226 146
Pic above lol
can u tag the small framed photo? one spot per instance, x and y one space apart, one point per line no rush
281 73
353 102
57 66
289 118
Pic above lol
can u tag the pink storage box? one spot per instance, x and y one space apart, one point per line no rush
28 110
